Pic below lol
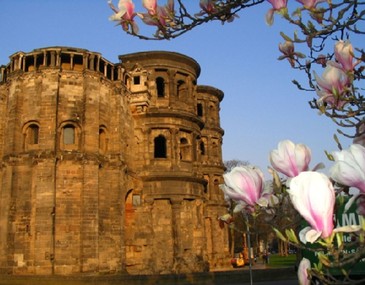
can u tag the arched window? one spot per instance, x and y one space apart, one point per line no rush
103 139
215 148
216 186
212 112
160 147
181 88
69 134
199 108
185 150
202 148
32 134
160 84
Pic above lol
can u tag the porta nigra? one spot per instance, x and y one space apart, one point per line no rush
109 168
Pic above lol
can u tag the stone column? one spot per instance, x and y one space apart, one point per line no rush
176 226
174 147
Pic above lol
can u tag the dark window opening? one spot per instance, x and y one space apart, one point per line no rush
101 66
160 147
48 58
200 109
39 60
202 148
109 72
183 150
180 88
160 83
78 62
29 63
65 58
136 80
114 73
78 59
102 140
33 134
69 134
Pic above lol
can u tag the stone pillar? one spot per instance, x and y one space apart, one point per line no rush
174 147
176 231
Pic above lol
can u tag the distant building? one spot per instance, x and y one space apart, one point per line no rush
109 167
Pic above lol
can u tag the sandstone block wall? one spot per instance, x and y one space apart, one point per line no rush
108 168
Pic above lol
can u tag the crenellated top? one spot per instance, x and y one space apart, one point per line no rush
64 58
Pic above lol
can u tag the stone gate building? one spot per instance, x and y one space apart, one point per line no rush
109 167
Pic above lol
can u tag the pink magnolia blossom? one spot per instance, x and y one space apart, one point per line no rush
349 167
290 159
124 15
159 16
150 5
344 54
277 6
245 185
303 268
332 86
310 4
208 6
287 49
313 196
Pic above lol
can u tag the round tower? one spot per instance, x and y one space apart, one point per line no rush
109 168
176 177
63 142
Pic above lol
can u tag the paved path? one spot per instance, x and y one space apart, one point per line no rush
261 275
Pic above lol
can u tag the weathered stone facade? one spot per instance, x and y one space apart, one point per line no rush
109 168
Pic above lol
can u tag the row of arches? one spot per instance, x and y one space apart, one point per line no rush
162 88
69 136
65 58
185 148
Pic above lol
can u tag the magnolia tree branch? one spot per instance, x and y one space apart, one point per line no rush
317 25
182 20
318 42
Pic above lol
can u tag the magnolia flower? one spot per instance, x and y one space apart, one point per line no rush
287 49
158 16
313 196
349 167
245 185
124 15
277 6
150 5
208 6
344 54
332 85
322 60
290 159
118 12
303 268
310 4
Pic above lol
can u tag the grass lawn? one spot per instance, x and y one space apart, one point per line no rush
276 260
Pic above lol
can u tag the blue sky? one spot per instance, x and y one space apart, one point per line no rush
261 106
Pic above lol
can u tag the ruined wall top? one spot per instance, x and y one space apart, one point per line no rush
65 58
78 59
162 59
210 90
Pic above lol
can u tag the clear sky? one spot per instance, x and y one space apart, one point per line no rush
261 106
